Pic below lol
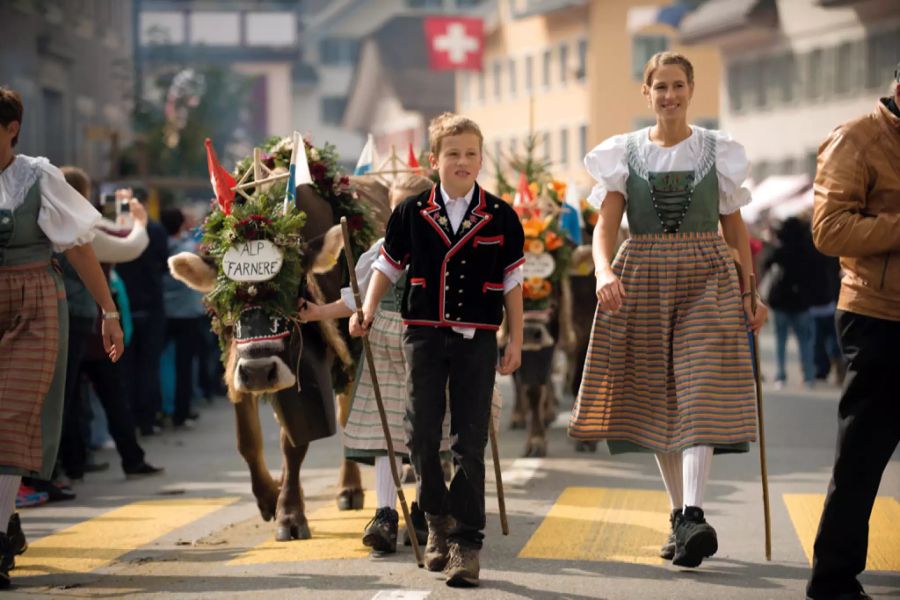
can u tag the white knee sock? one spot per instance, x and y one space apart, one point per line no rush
9 487
670 469
385 490
697 461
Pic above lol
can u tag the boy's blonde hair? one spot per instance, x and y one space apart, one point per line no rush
447 124
668 58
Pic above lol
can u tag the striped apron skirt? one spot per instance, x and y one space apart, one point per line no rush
33 329
363 437
672 368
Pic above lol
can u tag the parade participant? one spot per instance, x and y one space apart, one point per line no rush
856 216
363 437
668 368
39 214
464 249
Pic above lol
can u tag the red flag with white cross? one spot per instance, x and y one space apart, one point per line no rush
454 42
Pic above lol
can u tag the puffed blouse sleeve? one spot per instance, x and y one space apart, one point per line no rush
66 217
732 168
608 165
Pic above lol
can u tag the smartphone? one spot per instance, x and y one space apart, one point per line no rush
108 207
123 216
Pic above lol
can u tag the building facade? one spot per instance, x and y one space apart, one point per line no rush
569 73
795 69
72 62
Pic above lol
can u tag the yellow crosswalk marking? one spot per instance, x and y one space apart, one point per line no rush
884 535
99 541
602 524
335 535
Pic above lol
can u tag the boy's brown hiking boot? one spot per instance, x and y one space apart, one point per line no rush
436 550
462 567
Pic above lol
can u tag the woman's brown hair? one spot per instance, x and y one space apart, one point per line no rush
668 58
11 109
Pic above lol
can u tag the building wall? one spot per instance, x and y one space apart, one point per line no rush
576 107
72 63
823 66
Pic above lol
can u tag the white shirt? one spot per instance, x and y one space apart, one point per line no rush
65 217
608 164
456 209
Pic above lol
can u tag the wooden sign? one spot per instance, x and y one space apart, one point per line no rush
256 260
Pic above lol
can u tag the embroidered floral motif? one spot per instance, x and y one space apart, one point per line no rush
466 224
443 221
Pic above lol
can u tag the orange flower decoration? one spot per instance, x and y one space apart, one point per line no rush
536 288
552 241
533 226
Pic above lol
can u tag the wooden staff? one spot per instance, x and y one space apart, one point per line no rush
367 351
501 499
762 430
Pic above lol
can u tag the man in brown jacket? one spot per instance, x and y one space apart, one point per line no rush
857 217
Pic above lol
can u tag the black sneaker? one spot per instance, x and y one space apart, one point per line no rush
695 539
17 542
143 470
381 533
6 561
420 525
667 551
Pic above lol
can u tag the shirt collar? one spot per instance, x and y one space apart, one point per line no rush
447 199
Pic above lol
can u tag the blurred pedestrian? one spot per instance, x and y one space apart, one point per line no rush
39 214
857 217
788 287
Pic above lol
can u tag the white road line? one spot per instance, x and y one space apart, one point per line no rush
522 471
400 595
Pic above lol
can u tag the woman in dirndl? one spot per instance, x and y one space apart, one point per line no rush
668 367
39 214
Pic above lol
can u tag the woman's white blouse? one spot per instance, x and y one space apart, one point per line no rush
608 164
65 217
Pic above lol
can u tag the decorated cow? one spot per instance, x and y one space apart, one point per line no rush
538 202
265 248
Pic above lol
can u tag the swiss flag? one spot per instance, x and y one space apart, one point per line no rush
454 42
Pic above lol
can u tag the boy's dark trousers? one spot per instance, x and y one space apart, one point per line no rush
868 434
436 356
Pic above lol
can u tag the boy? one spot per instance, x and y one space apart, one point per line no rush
464 250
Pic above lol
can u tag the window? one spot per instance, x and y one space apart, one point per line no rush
529 67
513 145
338 51
563 63
564 146
497 69
735 76
581 72
707 123
498 151
882 50
753 84
425 3
814 74
53 125
843 73
582 140
809 163
512 77
546 144
333 109
481 85
642 48
545 78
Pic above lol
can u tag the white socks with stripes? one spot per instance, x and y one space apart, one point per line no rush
697 461
670 469
9 487
685 475
385 490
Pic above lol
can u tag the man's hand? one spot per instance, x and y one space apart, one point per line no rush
358 329
512 359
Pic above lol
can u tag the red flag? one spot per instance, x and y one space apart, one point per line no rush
523 202
411 160
454 42
221 180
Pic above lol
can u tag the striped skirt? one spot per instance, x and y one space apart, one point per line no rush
30 330
672 368
363 437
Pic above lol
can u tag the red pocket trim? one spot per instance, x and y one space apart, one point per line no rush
417 281
494 287
487 240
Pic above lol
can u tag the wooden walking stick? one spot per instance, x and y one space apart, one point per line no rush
764 472
501 499
367 351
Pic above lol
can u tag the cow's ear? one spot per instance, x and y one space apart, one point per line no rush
332 244
193 271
